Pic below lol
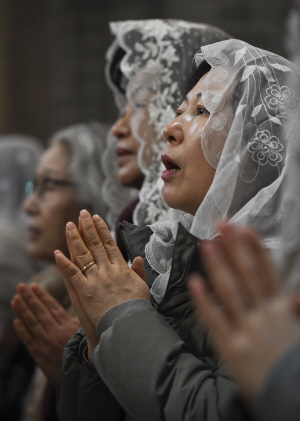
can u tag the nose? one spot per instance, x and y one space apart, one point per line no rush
31 204
173 132
121 128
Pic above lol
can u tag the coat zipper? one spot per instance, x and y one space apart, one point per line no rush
126 242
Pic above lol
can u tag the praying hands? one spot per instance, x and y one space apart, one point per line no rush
252 321
98 277
44 327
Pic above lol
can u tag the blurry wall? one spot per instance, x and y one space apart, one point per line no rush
52 52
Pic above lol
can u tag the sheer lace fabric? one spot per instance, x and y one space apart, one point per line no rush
156 65
252 114
289 254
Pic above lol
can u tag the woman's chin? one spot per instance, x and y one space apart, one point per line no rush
171 199
174 201
39 255
133 178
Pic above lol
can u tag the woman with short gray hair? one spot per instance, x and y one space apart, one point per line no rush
69 176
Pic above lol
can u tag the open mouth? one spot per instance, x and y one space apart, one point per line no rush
122 154
171 167
33 233
169 163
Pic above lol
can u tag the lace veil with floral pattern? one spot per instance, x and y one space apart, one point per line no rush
151 74
252 114
289 255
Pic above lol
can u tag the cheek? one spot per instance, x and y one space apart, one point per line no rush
59 214
201 173
130 174
56 216
195 130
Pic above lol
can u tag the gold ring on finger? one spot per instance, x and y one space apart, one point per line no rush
88 266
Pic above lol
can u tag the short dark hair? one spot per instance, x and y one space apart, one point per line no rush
201 70
116 74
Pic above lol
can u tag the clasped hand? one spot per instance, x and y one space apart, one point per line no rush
104 284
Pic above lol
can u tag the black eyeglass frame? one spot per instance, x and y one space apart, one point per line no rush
38 186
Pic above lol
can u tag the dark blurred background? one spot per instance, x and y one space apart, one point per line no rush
52 52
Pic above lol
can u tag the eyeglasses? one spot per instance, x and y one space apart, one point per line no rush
42 185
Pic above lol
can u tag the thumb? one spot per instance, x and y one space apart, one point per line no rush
139 268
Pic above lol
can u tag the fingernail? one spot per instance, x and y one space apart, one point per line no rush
84 214
97 219
35 287
21 288
25 293
58 256
70 226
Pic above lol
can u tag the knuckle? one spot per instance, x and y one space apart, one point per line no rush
109 243
54 306
87 225
28 341
40 311
83 255
73 272
96 245
33 324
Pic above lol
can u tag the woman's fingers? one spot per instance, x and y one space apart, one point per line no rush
70 244
112 250
38 310
54 308
93 242
252 267
23 333
270 282
139 268
222 279
240 259
78 250
91 238
72 272
212 316
29 319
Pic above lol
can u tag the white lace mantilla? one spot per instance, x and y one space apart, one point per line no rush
253 109
157 63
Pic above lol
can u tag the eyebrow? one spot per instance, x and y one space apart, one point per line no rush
198 95
48 172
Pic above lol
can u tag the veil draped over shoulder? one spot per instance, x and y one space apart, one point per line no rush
252 109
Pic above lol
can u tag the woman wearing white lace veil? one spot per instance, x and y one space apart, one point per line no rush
225 158
289 255
259 338
148 65
256 115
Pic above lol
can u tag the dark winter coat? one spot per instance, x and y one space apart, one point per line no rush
155 364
